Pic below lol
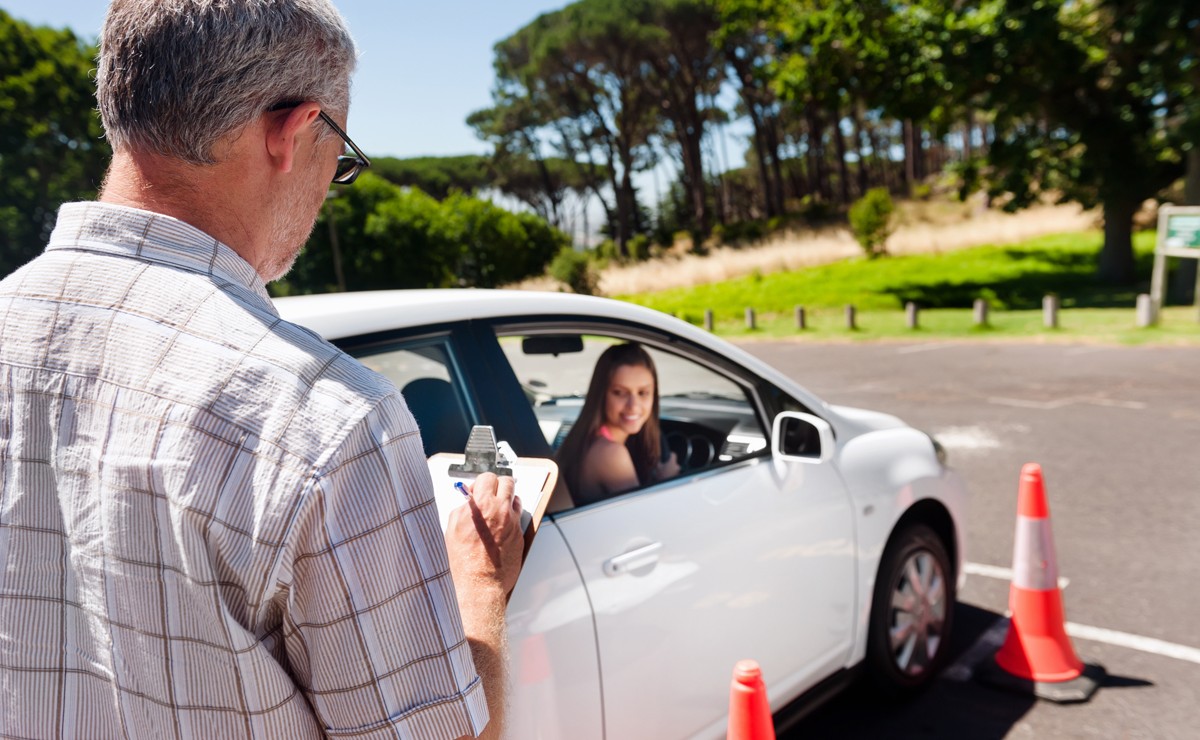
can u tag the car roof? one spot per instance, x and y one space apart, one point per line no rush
340 315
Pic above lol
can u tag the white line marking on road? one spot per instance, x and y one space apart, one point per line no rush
1002 574
1134 405
993 638
921 348
1023 403
1134 642
966 438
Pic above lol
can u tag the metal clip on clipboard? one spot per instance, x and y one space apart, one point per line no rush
481 455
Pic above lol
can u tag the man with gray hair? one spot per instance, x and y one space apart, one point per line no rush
212 522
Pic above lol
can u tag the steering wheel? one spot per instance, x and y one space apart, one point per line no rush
692 451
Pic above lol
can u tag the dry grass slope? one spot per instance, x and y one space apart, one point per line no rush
923 228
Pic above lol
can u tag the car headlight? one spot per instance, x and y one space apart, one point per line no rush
938 450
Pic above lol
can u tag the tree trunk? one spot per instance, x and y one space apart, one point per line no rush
884 173
1116 265
624 197
818 169
764 176
920 165
626 205
694 173
799 173
861 144
553 195
776 165
843 167
910 156
586 168
968 132
1182 287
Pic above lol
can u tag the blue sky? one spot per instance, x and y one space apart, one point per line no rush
424 64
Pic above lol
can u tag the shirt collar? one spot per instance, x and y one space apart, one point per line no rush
153 237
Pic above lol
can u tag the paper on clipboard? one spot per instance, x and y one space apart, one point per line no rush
533 478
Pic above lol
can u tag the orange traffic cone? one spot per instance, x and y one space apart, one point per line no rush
1037 655
749 713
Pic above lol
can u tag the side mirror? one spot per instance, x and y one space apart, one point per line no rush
799 437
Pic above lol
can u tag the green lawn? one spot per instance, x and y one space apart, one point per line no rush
1013 278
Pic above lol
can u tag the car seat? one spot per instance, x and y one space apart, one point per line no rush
439 414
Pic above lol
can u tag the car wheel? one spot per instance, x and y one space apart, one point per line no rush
911 613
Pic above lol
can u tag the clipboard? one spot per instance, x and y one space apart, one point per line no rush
534 479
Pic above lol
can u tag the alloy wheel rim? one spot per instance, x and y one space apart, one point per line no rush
918 613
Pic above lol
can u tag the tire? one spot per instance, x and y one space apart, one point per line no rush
912 612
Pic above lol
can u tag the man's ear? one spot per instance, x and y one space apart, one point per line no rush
283 129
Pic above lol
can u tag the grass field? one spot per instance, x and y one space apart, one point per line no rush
1013 278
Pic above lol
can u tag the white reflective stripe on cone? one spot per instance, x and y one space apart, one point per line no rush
1034 566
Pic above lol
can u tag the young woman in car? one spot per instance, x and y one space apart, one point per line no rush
615 444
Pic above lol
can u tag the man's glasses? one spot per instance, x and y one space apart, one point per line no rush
348 167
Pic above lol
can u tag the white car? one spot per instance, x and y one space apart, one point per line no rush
814 539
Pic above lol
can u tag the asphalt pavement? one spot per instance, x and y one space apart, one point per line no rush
1117 433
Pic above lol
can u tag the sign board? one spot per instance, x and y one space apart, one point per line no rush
1178 236
1182 231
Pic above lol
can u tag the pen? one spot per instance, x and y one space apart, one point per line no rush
462 487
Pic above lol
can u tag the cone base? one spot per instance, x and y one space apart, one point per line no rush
1055 662
1075 691
1037 647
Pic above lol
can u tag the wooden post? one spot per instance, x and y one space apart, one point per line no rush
981 312
1145 311
750 319
850 322
708 319
801 322
910 314
1050 311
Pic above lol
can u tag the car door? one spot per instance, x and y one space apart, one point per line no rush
450 381
735 558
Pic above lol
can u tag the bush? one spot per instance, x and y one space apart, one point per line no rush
393 237
491 246
605 252
871 221
815 211
575 270
638 248
737 233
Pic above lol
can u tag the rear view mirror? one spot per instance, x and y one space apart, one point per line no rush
801 437
552 344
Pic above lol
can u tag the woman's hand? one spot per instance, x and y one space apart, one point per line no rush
669 468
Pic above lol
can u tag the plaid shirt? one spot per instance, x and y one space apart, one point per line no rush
212 523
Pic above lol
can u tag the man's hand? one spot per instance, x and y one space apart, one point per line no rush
483 539
485 546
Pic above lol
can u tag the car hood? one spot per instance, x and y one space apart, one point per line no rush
855 421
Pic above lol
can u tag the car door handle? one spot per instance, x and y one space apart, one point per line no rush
632 560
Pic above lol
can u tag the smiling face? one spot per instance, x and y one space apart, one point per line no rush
628 401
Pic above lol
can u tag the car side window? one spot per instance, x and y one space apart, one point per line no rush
705 418
425 372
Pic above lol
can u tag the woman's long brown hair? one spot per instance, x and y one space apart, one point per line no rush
644 447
